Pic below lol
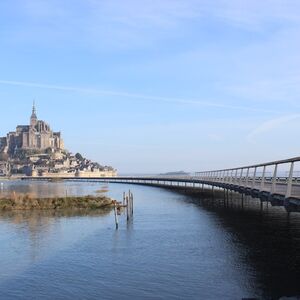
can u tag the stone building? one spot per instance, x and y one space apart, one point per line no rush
35 136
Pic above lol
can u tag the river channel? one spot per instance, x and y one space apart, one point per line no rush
176 247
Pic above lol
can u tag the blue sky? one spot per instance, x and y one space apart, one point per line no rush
154 86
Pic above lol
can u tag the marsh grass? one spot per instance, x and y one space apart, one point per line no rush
28 202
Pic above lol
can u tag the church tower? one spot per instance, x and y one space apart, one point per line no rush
33 118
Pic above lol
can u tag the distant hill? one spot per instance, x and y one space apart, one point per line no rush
176 173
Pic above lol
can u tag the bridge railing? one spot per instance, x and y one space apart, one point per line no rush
262 177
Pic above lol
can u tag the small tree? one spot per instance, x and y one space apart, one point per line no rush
79 156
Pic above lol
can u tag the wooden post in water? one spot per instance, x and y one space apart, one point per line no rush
129 201
127 208
131 204
116 216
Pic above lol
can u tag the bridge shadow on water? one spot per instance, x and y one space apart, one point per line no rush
267 237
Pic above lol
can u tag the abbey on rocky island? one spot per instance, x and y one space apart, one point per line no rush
35 150
36 136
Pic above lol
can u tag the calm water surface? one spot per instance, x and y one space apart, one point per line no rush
176 247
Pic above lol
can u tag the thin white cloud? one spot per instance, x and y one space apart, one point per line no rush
270 89
133 96
255 14
270 126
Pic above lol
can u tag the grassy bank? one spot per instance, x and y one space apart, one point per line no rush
25 202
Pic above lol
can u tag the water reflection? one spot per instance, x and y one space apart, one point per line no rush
51 188
35 220
184 246
267 238
42 225
35 234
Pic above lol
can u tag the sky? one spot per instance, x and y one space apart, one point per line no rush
156 86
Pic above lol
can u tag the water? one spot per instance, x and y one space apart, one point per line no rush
176 247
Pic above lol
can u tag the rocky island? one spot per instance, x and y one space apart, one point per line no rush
36 150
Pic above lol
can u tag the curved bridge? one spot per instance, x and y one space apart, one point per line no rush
277 182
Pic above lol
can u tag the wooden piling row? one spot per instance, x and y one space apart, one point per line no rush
129 201
128 204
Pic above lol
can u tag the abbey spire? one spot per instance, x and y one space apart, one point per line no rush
33 118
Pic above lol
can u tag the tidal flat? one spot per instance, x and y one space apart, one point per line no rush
26 202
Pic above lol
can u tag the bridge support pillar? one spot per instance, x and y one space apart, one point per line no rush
242 201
